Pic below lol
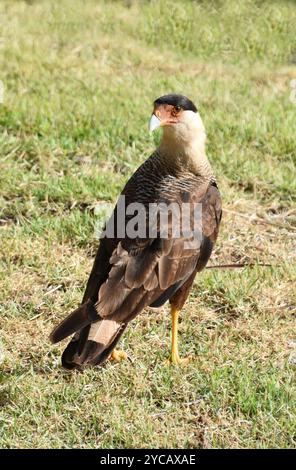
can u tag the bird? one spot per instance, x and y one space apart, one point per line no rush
132 272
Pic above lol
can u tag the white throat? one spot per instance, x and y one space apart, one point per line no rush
184 144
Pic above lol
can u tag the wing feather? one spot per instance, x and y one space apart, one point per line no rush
129 274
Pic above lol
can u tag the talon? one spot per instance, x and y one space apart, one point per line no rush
118 355
177 361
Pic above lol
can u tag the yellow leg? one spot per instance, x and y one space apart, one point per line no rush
174 358
118 355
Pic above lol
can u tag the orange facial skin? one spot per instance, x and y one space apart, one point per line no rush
167 114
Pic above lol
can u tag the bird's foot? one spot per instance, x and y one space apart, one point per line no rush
174 359
118 355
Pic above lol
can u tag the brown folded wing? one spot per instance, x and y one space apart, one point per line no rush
130 274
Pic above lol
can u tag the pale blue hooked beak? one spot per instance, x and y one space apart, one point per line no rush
154 123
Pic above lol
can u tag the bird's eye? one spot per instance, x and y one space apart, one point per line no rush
177 109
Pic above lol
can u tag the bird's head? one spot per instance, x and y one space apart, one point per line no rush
178 116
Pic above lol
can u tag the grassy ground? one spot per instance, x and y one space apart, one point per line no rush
78 88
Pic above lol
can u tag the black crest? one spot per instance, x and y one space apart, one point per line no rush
177 100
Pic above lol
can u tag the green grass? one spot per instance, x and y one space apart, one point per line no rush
79 86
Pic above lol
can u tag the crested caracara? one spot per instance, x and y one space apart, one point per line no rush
132 272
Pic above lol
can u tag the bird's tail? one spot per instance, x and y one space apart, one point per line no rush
78 319
94 338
